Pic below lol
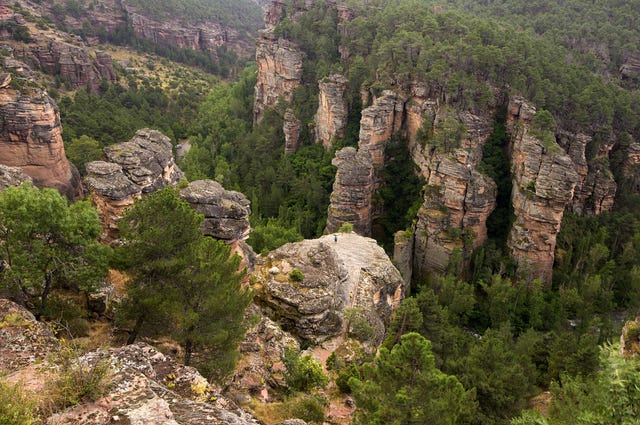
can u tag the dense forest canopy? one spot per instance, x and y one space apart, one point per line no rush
245 14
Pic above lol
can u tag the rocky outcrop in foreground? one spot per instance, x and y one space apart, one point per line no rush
307 286
31 139
143 386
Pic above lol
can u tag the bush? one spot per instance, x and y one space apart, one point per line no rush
359 327
342 381
346 228
303 372
16 406
309 409
296 275
78 380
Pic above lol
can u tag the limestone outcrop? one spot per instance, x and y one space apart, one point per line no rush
351 198
291 129
142 165
12 176
543 185
279 72
226 212
306 286
31 139
71 63
332 114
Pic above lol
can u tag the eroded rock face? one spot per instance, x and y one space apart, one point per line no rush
72 63
543 185
291 129
352 191
631 66
279 72
12 176
226 212
332 114
379 121
335 275
148 387
142 165
31 139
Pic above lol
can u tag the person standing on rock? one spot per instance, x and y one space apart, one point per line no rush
335 237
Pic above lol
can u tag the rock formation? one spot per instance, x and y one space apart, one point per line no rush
351 199
631 66
71 63
12 176
226 213
31 138
291 129
379 121
332 114
279 72
142 165
144 385
543 185
306 286
596 188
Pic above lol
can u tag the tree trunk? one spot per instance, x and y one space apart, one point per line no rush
45 294
188 350
136 329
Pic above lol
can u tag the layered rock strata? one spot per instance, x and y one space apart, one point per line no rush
279 72
332 114
71 63
378 123
543 185
142 165
226 213
31 139
307 286
351 198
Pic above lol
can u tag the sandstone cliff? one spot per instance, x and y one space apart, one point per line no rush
351 199
332 114
71 63
31 138
279 72
544 181
352 272
291 128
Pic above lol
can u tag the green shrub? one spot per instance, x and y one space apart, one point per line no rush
16 406
346 228
342 381
296 275
303 373
309 409
77 381
359 327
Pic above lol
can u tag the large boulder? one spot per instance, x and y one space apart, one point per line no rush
226 212
308 286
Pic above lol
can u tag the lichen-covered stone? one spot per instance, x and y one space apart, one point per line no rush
12 176
226 212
